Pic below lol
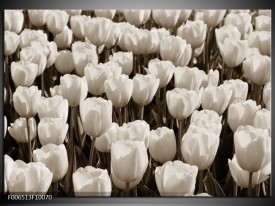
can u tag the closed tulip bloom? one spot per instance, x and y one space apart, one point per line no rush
158 34
212 127
182 102
228 31
194 32
119 90
55 158
176 50
23 73
241 114
124 60
208 115
213 17
26 101
32 178
11 42
184 15
90 181
210 79
77 23
262 120
64 63
239 89
260 40
137 17
145 88
267 95
251 147
257 68
216 98
125 153
233 51
263 23
109 14
38 17
18 130
14 20
176 178
188 78
64 39
56 21
163 70
162 139
166 18
83 53
9 166
73 12
74 89
29 35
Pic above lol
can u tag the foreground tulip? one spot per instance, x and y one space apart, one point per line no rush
263 120
77 23
127 152
74 89
14 20
9 166
260 40
251 145
267 95
227 31
18 130
32 178
213 17
109 14
26 100
208 115
23 73
90 181
124 60
56 21
176 178
37 17
137 17
162 139
239 89
27 36
64 39
64 63
11 41
166 18
55 158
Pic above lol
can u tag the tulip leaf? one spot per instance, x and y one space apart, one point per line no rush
212 186
80 157
229 185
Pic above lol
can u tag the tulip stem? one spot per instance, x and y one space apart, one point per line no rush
127 185
250 184
158 107
120 116
200 189
29 140
180 138
235 191
7 80
141 112
164 106
206 50
125 113
92 151
192 57
55 189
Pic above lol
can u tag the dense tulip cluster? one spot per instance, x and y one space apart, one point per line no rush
137 102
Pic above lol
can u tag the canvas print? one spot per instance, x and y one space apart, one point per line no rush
137 103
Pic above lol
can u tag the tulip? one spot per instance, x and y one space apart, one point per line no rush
184 15
216 98
210 79
251 145
5 125
26 101
77 25
257 68
23 73
262 120
166 18
64 63
38 17
14 20
263 23
238 11
9 166
31 178
109 14
182 102
260 40
90 181
73 12
137 17
74 89
208 115
204 194
162 139
265 12
114 36
267 95
56 90
64 39
29 35
176 178
83 53
52 131
56 21
199 146
124 60
213 17
212 127
124 153
241 114
163 70
11 42
55 158
194 32
228 31
145 87
158 35
176 50
188 78
239 89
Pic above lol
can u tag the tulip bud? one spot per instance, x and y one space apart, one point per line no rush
182 102
188 78
251 146
257 68
176 178
267 95
90 181
260 40
137 17
263 23
210 79
216 98
109 14
23 73
32 178
38 17
29 35
74 89
56 21
124 60
26 100
213 17
162 139
11 42
83 53
77 25
14 20
228 31
262 120
239 89
55 158
64 63
56 90
184 15
194 32
64 39
163 70
122 155
166 18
